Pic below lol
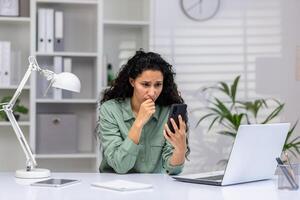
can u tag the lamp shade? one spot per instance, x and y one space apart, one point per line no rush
66 81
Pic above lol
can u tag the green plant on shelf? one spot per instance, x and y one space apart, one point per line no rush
231 113
17 110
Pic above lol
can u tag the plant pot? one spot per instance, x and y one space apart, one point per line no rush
17 116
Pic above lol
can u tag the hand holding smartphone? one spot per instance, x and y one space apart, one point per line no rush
175 111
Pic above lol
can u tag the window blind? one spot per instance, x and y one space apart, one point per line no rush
219 49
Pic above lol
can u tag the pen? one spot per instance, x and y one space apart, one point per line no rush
287 174
291 168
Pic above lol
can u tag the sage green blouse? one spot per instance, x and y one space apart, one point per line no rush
121 154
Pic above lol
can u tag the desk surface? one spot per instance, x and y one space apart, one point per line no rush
164 187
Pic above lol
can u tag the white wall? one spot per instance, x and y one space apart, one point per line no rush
254 38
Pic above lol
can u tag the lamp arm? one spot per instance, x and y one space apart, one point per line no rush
20 87
8 109
30 160
33 66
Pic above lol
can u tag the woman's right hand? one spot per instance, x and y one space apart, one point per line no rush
147 109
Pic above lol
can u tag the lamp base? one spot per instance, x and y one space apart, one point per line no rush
35 173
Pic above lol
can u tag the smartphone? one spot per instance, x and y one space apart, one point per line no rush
175 111
55 182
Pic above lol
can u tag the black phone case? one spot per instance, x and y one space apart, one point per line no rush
175 111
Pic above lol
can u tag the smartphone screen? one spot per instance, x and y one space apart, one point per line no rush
175 111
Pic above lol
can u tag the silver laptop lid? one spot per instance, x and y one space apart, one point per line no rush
254 151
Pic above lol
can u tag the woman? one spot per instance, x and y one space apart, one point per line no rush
133 116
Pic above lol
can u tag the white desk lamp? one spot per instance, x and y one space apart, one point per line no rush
64 80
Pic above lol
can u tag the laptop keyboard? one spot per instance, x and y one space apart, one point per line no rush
218 177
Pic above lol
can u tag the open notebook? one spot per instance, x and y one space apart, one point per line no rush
121 185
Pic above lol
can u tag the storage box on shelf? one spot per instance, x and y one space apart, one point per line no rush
86 121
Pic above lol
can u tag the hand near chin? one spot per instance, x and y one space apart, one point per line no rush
147 109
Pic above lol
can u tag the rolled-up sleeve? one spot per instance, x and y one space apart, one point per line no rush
166 155
120 153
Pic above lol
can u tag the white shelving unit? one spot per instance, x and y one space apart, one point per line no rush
16 30
96 33
15 19
125 23
55 156
21 123
69 1
125 29
74 101
67 54
80 44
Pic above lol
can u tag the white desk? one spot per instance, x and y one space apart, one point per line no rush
164 187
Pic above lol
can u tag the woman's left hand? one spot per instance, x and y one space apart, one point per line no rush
177 139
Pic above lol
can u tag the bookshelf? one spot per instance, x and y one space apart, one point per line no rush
96 32
17 31
80 21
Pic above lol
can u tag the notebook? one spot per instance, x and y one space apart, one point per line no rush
121 185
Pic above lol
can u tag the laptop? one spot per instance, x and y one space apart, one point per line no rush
252 156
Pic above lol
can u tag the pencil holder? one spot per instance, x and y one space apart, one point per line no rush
288 176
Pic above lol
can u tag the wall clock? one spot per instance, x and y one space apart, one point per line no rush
200 10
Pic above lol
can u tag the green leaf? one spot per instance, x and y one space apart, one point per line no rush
211 125
228 133
203 118
234 88
294 141
222 107
291 131
21 109
16 109
273 114
225 88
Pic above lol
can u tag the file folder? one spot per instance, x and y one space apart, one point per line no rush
1 70
5 63
41 30
58 29
49 30
57 93
67 68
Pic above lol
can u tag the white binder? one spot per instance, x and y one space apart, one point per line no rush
1 70
5 63
67 68
49 30
67 65
58 30
41 30
104 70
57 60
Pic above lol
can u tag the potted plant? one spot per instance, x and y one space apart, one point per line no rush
17 110
231 113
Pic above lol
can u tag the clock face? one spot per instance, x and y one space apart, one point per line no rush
200 10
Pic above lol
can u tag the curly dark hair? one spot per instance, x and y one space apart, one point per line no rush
140 62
